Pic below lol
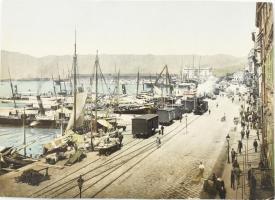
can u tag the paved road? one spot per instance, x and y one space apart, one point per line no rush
171 170
139 169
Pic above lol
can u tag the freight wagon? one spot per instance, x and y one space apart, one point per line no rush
189 105
179 110
145 125
166 115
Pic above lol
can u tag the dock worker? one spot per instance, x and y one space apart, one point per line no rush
158 141
255 144
162 129
120 137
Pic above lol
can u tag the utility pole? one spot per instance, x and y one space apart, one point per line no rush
75 83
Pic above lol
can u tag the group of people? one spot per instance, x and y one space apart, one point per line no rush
219 185
249 121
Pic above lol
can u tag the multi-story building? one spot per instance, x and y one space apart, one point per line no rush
264 40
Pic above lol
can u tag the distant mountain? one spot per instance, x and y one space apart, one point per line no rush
26 66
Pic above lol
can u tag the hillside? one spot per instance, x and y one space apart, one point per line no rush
26 66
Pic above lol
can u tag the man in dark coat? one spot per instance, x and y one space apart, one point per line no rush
222 193
240 146
247 133
233 154
258 134
242 133
232 180
255 144
162 130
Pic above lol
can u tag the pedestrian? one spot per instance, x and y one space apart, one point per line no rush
232 180
214 178
240 146
247 133
253 187
242 133
235 163
217 105
233 154
158 141
120 137
237 172
255 144
162 129
201 170
209 111
222 193
180 118
258 134
243 123
249 174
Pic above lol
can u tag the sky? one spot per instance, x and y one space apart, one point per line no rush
46 27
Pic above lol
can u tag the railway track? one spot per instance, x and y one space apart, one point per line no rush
128 157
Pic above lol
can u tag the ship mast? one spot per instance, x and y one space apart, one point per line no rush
137 81
75 83
12 88
96 87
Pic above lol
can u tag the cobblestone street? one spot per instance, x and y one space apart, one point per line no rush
140 169
170 172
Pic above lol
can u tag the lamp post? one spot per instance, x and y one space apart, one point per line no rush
227 138
80 182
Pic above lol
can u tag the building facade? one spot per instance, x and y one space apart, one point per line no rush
264 48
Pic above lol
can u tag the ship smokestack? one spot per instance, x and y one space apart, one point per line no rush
41 109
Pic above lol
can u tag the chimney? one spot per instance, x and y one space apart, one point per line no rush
41 109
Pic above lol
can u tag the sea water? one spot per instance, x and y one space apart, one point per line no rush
36 137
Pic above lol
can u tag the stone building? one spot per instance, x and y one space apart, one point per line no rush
264 47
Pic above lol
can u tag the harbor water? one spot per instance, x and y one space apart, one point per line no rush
36 137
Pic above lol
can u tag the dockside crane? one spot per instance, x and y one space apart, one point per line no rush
167 78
